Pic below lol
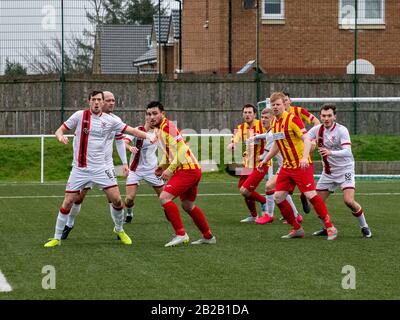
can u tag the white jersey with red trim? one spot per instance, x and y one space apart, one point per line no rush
91 134
337 140
110 142
268 136
145 159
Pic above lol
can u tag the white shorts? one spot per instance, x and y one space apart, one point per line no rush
343 178
135 177
83 178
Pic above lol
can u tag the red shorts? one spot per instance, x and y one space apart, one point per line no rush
252 181
184 184
289 178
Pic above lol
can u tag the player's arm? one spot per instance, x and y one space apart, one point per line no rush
178 151
344 152
306 153
312 134
236 138
271 153
140 134
121 150
345 144
257 137
68 125
308 117
60 134
298 128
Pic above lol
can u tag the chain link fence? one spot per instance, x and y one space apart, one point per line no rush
302 42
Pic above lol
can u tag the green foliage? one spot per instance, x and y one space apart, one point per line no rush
373 148
141 11
24 165
122 12
14 69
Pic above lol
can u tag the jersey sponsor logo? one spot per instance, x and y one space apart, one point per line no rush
278 136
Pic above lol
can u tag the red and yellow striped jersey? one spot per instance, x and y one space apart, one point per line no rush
251 152
177 153
302 113
287 133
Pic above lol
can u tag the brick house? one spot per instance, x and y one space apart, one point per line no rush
295 36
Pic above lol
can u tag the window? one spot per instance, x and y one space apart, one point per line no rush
273 9
369 12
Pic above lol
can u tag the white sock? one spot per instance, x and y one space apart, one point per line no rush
361 219
76 208
270 204
290 200
362 222
129 211
60 224
118 218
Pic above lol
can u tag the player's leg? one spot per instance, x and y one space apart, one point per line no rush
129 203
269 191
268 214
69 199
75 209
324 194
305 181
305 204
77 180
248 191
188 204
298 216
158 190
132 184
117 214
251 204
325 186
174 187
284 185
286 210
174 217
357 211
199 220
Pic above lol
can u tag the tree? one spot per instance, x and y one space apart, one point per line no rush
141 11
78 59
79 50
14 69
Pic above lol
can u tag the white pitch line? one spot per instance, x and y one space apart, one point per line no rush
199 195
4 285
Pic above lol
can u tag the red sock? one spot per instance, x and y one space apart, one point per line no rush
258 197
173 215
252 206
200 221
322 211
357 213
288 214
64 211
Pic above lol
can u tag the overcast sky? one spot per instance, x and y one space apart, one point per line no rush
25 23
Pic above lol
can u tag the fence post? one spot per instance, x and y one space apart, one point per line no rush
62 76
355 78
42 159
258 84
